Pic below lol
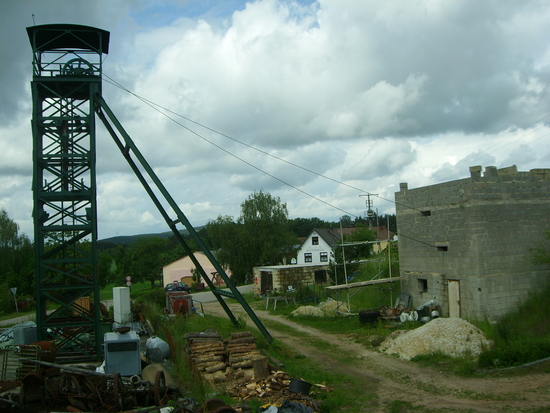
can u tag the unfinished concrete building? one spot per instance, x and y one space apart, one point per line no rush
466 243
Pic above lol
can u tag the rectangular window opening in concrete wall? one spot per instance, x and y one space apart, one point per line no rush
323 256
442 246
426 213
314 240
320 276
422 285
308 257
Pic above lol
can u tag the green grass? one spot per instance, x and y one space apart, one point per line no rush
519 337
517 334
136 291
344 396
465 367
16 314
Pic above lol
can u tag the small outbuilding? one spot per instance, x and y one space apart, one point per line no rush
182 270
288 277
466 243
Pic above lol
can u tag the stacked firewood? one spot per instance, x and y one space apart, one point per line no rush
238 365
207 350
244 354
220 360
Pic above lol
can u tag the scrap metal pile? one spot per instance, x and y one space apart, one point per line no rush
28 380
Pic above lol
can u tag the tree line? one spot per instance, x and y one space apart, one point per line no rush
262 234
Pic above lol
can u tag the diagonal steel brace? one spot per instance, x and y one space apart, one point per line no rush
128 148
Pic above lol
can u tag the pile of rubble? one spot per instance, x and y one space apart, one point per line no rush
324 309
454 337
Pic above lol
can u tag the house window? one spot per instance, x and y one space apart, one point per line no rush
314 240
323 256
308 257
422 285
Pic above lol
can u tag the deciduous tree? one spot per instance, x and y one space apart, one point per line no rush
146 257
260 236
17 256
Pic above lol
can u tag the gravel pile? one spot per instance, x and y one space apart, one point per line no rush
331 307
308 310
327 308
454 337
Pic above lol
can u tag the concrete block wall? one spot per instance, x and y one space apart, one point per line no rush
478 231
285 275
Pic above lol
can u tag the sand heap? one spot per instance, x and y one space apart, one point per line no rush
324 309
454 337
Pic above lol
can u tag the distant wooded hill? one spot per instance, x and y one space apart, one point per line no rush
130 239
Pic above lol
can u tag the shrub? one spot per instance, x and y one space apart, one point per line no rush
516 353
522 336
7 303
156 296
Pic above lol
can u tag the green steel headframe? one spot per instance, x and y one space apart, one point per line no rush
67 65
66 90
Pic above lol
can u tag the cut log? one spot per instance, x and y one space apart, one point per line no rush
242 340
245 356
203 346
208 359
241 348
242 365
260 368
215 368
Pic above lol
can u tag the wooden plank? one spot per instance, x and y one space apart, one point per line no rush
364 283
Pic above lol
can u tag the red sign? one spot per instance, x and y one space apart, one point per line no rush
128 283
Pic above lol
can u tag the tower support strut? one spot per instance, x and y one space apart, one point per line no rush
143 171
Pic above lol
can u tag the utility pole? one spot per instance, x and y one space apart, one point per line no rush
370 212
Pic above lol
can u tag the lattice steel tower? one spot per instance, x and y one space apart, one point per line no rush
67 66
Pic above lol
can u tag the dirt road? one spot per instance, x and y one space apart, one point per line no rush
393 379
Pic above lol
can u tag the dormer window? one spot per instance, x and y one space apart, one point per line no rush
314 240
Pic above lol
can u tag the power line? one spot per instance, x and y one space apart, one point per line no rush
156 108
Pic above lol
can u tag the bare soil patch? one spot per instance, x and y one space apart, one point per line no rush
423 389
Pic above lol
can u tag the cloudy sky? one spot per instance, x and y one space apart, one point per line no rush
317 102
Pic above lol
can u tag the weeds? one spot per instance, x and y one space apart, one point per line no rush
519 337
465 367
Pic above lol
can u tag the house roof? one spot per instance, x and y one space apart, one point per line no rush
383 233
330 235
